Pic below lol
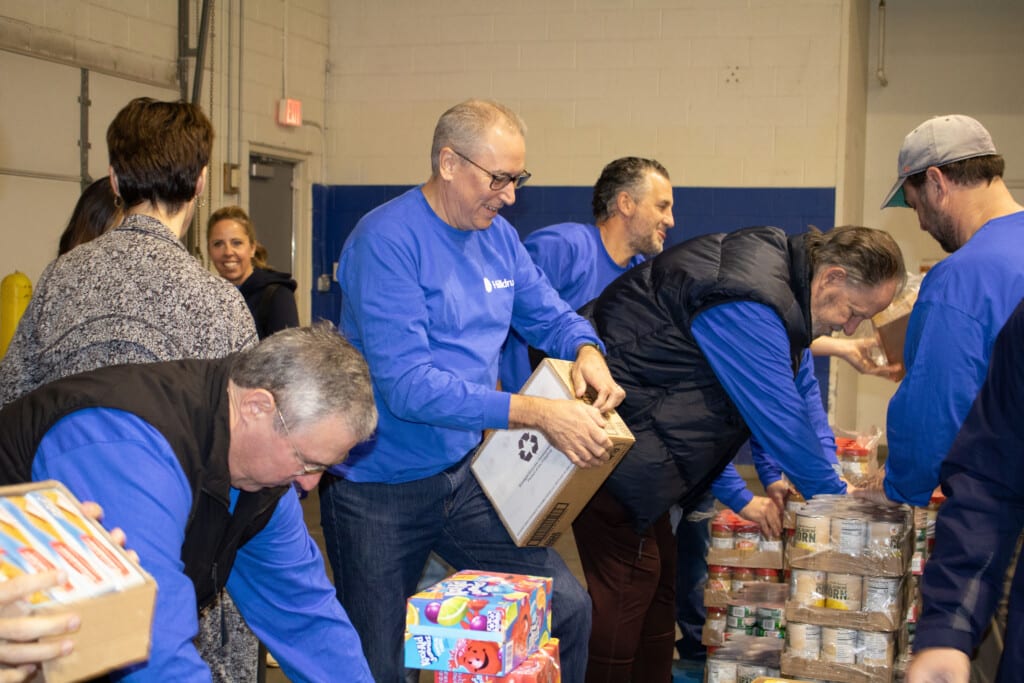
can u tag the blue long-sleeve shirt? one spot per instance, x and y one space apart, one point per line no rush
278 579
430 306
979 524
963 303
576 263
747 347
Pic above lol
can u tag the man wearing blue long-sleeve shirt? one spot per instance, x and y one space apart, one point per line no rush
951 175
708 340
195 460
432 282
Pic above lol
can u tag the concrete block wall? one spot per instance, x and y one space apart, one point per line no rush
259 51
729 94
725 94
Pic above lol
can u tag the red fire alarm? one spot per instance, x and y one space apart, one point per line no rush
289 112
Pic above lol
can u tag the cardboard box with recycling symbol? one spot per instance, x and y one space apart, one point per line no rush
536 490
477 623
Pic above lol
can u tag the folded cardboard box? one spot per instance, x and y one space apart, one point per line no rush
43 528
536 490
477 623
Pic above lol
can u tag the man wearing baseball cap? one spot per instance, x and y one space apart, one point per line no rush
950 173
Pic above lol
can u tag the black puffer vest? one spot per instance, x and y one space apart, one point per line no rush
186 401
687 428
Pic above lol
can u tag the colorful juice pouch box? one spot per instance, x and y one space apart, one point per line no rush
78 532
477 623
543 666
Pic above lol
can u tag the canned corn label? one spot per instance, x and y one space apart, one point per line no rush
812 531
843 591
804 640
807 587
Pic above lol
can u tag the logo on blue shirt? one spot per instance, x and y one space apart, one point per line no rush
491 285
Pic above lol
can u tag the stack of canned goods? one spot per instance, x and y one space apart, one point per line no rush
846 592
735 579
743 661
729 531
765 621
840 645
849 526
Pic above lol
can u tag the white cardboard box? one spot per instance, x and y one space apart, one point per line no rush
536 489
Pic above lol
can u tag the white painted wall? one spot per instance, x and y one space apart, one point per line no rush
941 57
724 92
259 51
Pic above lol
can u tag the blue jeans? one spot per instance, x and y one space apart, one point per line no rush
692 541
378 537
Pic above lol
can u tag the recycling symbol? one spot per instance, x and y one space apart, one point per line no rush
528 446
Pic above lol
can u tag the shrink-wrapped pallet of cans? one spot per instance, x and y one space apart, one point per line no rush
848 583
743 659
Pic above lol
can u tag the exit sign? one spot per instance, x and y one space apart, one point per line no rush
289 112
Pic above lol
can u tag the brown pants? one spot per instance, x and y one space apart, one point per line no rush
631 580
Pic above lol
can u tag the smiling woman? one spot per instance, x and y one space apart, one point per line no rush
241 260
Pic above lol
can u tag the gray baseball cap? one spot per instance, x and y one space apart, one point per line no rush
937 141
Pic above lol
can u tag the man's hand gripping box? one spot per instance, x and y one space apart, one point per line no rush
477 623
535 489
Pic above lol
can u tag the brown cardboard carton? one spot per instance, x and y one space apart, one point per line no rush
115 626
536 490
891 326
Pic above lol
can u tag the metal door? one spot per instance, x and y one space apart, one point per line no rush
270 208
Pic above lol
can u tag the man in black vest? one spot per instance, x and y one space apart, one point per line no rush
195 459
710 341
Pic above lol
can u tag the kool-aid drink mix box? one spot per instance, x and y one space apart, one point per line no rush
543 666
477 623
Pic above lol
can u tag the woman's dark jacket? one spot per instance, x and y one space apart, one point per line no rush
270 296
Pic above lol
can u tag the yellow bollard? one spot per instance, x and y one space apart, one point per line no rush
15 292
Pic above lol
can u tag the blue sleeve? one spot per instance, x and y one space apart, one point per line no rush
978 526
944 373
768 471
748 349
556 259
807 385
731 490
305 626
543 317
559 259
125 465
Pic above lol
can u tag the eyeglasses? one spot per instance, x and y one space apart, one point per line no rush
307 467
499 180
